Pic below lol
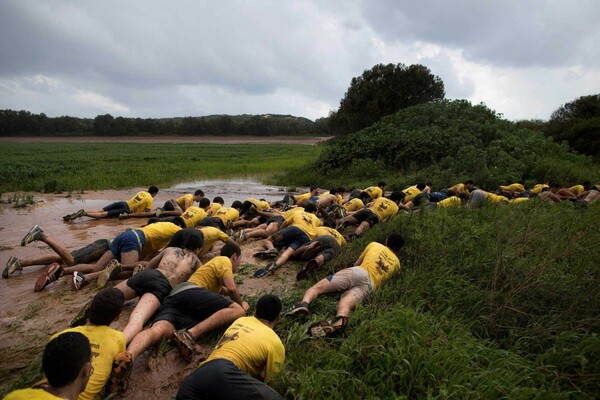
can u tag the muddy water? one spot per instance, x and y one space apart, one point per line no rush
27 319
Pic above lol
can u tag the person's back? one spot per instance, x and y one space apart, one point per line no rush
379 261
211 274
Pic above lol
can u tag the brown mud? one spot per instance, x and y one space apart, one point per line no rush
28 319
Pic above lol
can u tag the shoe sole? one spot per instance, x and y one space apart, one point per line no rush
185 348
29 237
112 270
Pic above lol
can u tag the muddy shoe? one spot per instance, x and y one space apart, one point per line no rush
298 309
119 376
158 212
267 254
34 234
267 270
328 329
310 268
12 265
241 239
82 316
185 341
112 270
53 273
311 250
74 216
138 268
123 216
78 281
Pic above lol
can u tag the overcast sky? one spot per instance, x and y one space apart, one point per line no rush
523 58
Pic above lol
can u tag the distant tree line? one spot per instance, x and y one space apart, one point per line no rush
25 123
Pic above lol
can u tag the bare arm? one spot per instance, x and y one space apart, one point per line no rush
234 293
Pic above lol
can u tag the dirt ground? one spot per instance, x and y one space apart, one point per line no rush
27 319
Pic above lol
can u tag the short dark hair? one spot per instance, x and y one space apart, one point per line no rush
469 182
395 241
381 184
230 249
333 191
397 196
204 202
237 204
106 306
268 307
341 189
219 200
364 197
152 190
199 193
313 188
64 357
177 221
421 186
153 220
310 207
193 242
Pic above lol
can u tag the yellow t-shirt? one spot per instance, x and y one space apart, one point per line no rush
459 188
518 200
307 222
31 394
291 211
301 198
211 235
211 274
374 192
141 202
227 214
577 189
496 199
384 208
260 205
214 207
452 201
379 261
253 347
106 343
157 236
411 193
192 216
325 230
537 189
515 187
189 198
354 205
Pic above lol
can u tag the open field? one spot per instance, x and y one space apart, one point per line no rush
58 167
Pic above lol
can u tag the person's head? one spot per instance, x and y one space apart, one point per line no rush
198 194
237 205
421 186
333 191
587 185
364 197
314 190
153 190
381 185
469 184
106 306
268 308
178 221
394 242
219 200
67 359
397 197
193 243
204 203
341 190
234 253
310 207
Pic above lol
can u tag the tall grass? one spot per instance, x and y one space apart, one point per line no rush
56 167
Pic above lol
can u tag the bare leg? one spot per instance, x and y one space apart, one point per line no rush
321 287
284 257
362 228
44 260
96 214
147 214
143 311
220 318
59 249
87 268
346 305
146 338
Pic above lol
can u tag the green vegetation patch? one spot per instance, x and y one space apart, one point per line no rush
56 167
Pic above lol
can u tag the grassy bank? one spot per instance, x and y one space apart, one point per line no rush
52 167
494 303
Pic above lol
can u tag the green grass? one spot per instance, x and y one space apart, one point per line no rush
56 167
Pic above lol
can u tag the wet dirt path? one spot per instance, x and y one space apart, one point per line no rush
28 319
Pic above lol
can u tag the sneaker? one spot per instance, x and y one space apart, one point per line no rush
327 328
123 216
138 268
159 212
81 317
121 370
267 270
311 251
53 273
78 281
298 309
12 265
230 233
75 215
112 270
267 254
185 341
34 234
242 237
310 267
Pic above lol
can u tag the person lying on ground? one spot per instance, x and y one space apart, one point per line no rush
297 229
171 208
245 361
192 309
460 188
374 266
224 218
141 202
85 255
375 192
380 210
272 224
67 367
128 248
479 197
326 246
215 205
208 234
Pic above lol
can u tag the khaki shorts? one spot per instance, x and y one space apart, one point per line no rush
353 281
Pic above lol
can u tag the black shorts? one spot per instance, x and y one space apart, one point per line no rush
420 198
150 281
330 247
291 237
222 379
190 307
92 252
278 219
366 215
214 222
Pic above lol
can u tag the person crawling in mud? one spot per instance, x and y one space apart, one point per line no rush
171 208
247 359
172 266
85 255
141 202
191 309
